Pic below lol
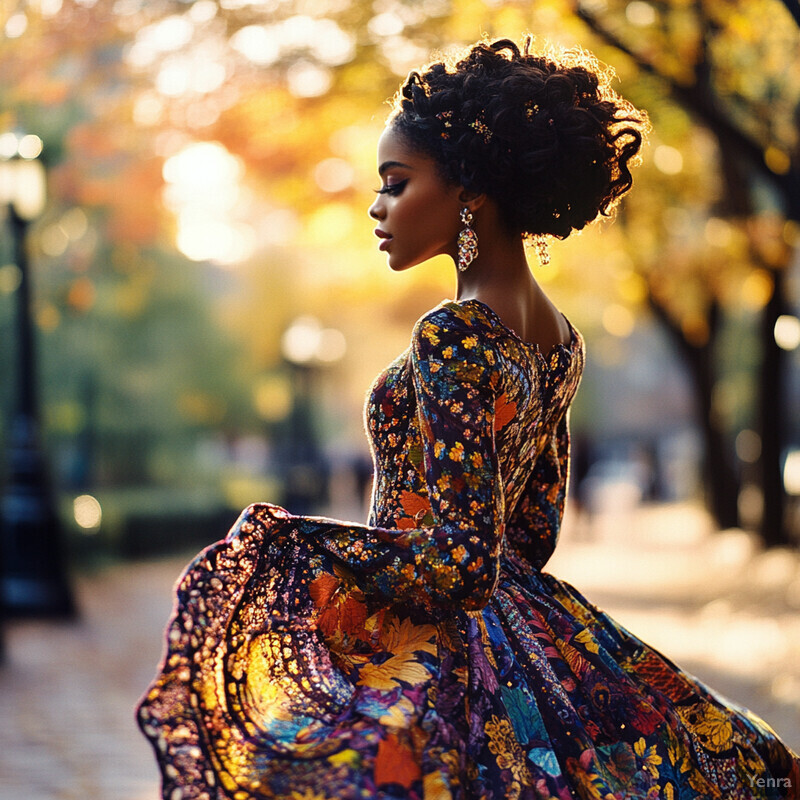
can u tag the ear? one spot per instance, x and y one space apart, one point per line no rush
472 200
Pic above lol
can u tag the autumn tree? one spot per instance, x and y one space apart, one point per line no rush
733 68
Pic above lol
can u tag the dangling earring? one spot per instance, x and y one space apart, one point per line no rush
467 241
540 243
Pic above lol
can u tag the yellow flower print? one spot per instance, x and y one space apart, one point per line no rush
401 638
450 757
710 724
459 553
399 715
387 676
457 452
469 341
438 448
476 459
308 794
428 333
447 352
586 638
649 756
434 787
348 757
473 480
677 755
503 743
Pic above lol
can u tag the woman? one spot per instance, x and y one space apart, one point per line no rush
426 655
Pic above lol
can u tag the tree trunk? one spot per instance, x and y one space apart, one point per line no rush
719 476
771 413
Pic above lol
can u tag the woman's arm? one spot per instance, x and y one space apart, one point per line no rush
454 561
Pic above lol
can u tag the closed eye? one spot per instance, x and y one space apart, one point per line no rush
392 189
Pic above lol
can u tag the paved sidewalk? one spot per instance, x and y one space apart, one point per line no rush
711 602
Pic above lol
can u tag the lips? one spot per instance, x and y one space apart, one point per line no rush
386 237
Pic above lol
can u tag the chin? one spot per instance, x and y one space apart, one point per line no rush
398 264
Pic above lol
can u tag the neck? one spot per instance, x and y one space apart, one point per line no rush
500 270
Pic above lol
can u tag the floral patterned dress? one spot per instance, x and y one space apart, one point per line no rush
426 655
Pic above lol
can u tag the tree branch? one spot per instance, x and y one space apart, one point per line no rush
794 9
702 104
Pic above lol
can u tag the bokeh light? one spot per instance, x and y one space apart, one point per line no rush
787 332
87 512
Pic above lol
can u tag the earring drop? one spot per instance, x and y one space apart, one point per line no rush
467 241
540 243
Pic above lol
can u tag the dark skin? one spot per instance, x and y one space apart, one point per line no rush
418 217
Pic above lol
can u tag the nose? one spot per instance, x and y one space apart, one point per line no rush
376 209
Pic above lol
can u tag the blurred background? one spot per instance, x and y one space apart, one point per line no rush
192 307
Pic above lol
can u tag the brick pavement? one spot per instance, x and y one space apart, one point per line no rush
67 690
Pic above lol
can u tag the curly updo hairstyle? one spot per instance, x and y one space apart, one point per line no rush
547 138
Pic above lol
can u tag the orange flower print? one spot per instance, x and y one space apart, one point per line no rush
504 411
395 763
413 504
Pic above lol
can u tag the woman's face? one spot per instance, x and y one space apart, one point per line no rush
416 210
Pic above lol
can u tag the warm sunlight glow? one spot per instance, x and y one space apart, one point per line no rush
203 173
718 232
668 160
307 79
306 341
30 146
334 175
165 36
202 190
267 44
618 320
16 25
257 44
47 8
757 289
201 237
640 14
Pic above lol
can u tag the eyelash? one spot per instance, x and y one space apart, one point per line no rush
392 189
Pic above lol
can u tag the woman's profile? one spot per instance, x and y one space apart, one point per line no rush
427 654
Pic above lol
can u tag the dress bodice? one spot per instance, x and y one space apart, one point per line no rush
530 393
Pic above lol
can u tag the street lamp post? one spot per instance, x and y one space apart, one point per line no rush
306 346
33 579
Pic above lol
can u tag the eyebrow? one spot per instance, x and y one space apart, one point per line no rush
389 164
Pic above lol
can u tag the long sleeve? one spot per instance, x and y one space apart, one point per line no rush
454 561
